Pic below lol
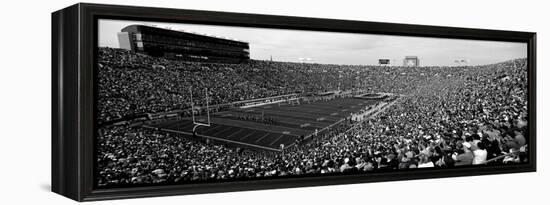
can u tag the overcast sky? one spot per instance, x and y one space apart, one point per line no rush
339 48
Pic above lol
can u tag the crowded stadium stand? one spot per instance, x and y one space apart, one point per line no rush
180 45
432 117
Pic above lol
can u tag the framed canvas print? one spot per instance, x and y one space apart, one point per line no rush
157 101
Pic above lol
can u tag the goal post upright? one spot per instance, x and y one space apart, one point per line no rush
195 123
192 105
193 108
207 106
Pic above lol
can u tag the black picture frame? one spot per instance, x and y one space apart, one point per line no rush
74 47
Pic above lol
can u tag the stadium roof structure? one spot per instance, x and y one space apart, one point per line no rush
180 45
177 33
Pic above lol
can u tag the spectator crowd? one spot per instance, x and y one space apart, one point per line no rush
446 117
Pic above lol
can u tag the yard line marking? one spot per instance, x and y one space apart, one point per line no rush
258 127
231 135
266 134
242 138
223 130
280 136
214 128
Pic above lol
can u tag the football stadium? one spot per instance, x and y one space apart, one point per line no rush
177 107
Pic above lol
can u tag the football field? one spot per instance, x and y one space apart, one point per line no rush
269 126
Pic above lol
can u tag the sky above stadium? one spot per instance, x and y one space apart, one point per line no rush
339 48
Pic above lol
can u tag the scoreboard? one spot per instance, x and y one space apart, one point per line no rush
411 61
383 61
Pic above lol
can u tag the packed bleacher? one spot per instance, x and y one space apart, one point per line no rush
133 84
446 117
